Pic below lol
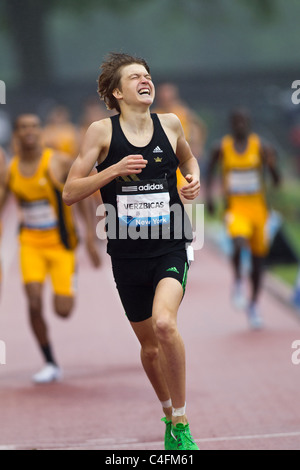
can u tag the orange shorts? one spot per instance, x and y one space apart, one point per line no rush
57 261
249 221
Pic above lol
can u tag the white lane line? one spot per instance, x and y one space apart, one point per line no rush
254 436
159 444
118 444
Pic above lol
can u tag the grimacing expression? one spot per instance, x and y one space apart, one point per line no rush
136 84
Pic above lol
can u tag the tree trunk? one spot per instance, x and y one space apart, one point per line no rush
27 25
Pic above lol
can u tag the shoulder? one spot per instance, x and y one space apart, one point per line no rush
169 119
60 157
59 166
99 128
263 143
13 164
171 122
2 155
217 145
2 159
260 139
97 135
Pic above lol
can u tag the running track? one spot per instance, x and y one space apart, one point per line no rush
242 386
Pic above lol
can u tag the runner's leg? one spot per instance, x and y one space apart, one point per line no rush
168 296
151 360
256 276
38 325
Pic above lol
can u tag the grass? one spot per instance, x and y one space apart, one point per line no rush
286 201
288 273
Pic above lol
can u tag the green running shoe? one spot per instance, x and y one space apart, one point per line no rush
184 440
170 442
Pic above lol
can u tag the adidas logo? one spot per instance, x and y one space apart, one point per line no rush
158 150
173 270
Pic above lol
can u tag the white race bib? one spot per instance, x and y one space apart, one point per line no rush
244 182
143 203
38 215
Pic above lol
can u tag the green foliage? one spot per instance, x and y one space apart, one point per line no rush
118 6
263 9
286 200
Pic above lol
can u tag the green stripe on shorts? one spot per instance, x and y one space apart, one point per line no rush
184 279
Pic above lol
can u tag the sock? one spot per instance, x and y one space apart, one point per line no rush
179 411
167 403
47 353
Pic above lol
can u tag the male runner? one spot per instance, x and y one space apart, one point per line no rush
168 101
47 232
60 133
243 157
138 154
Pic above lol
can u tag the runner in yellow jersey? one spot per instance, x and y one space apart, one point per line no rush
169 101
47 231
243 157
60 133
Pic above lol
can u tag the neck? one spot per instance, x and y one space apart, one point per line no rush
136 121
30 154
241 138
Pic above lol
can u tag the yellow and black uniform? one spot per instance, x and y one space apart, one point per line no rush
247 211
47 231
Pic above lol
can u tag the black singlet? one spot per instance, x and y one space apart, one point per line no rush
145 216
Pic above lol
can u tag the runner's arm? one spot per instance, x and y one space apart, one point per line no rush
3 194
270 160
188 165
4 189
80 182
211 169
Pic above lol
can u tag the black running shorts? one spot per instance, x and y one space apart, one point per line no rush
136 280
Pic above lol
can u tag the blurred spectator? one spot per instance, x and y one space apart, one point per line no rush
93 110
5 129
60 133
3 156
168 101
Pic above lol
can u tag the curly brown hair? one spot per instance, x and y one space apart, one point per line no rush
110 76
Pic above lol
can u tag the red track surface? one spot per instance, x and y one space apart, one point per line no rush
242 386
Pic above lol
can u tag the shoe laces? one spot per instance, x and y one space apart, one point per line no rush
183 435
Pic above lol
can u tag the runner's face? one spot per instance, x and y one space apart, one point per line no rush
28 131
136 86
240 125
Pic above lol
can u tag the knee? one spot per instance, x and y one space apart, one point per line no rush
150 353
35 305
63 306
165 328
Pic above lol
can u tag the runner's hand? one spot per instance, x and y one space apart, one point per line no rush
192 189
130 165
